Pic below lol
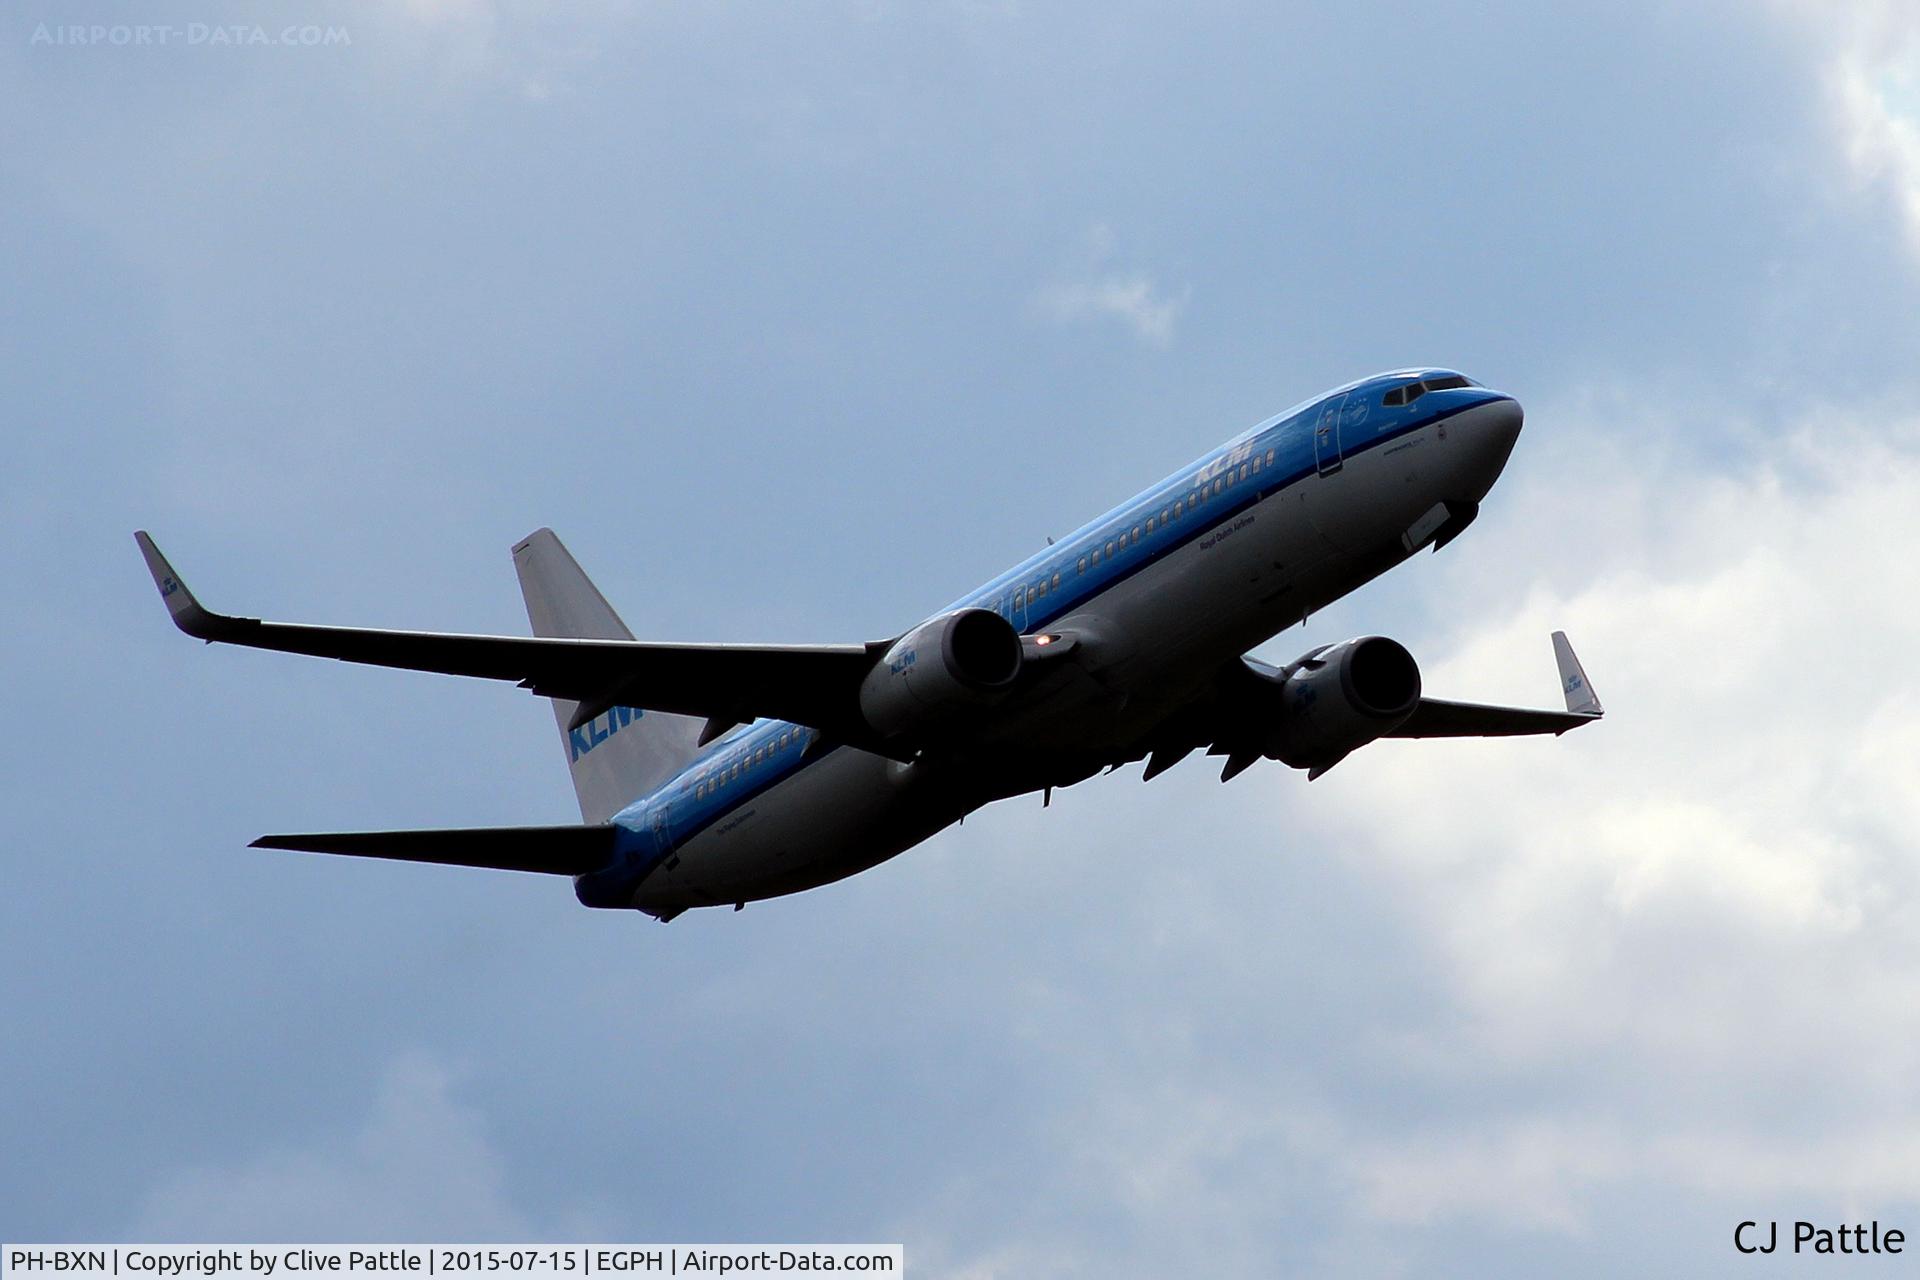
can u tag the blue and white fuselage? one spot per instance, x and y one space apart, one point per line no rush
1123 641
1216 558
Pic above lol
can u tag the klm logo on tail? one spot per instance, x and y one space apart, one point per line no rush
599 729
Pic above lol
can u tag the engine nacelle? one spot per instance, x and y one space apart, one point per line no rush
940 670
1342 697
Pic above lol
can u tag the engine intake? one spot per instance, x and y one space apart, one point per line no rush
940 670
1342 697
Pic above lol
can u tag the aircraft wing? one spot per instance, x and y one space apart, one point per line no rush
1438 718
812 685
563 851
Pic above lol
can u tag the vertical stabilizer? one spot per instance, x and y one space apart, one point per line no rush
625 752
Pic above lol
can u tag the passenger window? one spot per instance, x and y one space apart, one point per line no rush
1269 457
1056 582
1109 551
1220 485
1083 564
1149 524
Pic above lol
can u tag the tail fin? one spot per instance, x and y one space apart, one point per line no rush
623 753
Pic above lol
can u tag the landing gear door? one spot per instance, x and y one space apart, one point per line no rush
1326 437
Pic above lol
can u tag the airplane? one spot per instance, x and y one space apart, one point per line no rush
721 774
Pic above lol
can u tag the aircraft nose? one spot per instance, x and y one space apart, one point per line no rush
1489 431
1501 419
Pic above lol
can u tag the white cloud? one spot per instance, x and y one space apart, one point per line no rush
1095 289
1877 106
1529 1173
1873 77
1713 893
419 1167
1133 299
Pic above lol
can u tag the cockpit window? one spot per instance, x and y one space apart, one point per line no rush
1414 390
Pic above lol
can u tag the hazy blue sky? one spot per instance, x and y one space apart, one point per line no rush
797 321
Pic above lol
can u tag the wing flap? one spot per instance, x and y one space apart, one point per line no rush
559 851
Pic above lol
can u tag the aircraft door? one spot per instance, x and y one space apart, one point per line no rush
1326 437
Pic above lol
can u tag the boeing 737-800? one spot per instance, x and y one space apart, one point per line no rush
715 775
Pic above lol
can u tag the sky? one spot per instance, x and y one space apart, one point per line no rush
798 321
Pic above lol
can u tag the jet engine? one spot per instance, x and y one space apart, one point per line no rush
940 670
1341 697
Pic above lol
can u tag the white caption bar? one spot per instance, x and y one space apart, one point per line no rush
534 1261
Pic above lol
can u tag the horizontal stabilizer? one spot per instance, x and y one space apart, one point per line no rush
559 851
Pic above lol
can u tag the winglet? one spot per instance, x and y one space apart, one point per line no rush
187 612
1581 699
